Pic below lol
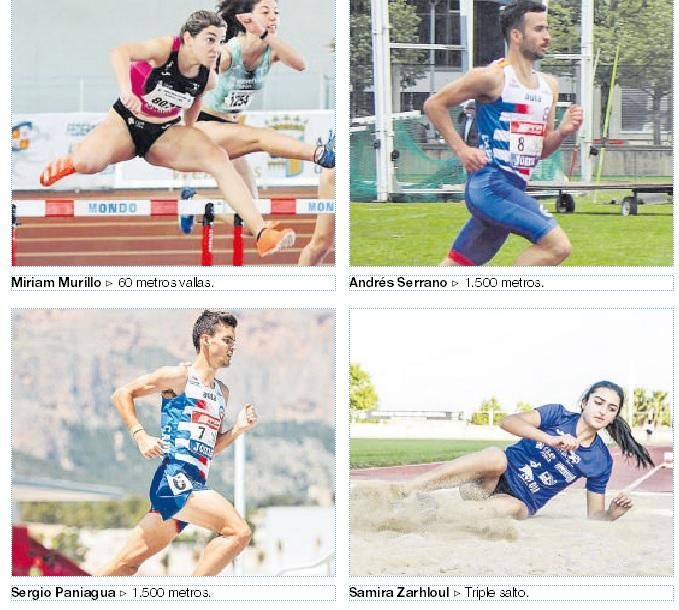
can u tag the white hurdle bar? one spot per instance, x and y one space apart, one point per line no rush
106 208
67 208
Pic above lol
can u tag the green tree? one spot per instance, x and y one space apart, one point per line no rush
363 393
489 406
403 24
643 31
655 402
523 407
68 544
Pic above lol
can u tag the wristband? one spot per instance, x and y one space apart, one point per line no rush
135 429
263 36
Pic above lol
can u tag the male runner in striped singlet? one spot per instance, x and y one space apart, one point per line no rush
193 423
515 108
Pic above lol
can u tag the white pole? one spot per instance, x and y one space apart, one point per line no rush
239 488
384 136
467 11
432 40
587 87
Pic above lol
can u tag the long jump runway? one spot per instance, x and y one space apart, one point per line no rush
438 534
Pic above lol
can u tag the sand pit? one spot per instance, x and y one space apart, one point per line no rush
438 533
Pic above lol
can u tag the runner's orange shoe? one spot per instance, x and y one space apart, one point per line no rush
57 170
272 240
269 224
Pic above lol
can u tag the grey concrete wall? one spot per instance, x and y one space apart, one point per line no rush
57 44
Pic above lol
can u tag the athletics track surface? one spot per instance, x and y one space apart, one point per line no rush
624 473
138 240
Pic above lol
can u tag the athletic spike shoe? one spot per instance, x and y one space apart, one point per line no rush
57 170
324 155
270 240
186 220
270 224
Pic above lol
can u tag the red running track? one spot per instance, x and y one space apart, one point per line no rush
135 241
144 241
624 472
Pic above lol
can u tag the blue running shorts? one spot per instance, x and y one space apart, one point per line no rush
499 206
171 487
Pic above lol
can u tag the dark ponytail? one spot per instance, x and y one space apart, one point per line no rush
228 9
619 429
621 433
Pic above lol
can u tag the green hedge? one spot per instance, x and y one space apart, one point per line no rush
480 418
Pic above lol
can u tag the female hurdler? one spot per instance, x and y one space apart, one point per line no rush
159 79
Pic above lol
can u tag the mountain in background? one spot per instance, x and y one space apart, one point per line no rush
66 364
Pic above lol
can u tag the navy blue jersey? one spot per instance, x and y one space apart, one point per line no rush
191 422
512 128
536 472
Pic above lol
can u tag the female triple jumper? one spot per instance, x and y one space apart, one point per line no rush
557 448
158 79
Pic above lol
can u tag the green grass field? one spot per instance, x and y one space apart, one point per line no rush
367 452
405 234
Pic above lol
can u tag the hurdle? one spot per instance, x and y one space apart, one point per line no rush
209 208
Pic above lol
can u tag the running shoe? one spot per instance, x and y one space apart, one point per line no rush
324 154
57 170
186 220
270 240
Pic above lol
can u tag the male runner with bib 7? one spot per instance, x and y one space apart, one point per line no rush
193 431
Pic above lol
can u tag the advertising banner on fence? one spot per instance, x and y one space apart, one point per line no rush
40 138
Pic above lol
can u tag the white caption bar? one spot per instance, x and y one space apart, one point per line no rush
179 593
527 593
515 283
176 283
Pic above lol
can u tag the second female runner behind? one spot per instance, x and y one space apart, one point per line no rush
158 79
252 47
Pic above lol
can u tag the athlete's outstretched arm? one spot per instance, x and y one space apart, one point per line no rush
482 83
527 425
158 50
596 506
247 419
282 51
191 114
569 124
164 378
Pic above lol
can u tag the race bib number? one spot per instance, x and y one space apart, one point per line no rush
525 143
163 98
204 430
237 101
179 483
